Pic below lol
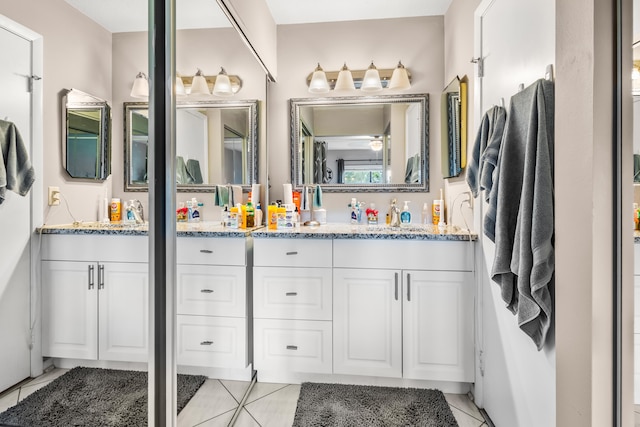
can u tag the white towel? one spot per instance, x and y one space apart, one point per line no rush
235 195
16 171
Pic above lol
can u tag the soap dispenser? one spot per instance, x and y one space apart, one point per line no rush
405 216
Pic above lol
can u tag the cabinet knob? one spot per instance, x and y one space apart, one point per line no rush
292 347
206 291
206 251
206 343
291 294
292 253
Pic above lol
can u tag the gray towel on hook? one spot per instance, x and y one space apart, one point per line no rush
524 260
16 171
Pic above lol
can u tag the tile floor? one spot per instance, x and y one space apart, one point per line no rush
268 405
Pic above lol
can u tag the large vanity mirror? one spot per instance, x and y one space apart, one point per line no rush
86 139
361 144
216 144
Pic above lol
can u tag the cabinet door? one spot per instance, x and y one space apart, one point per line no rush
124 311
438 325
69 309
367 322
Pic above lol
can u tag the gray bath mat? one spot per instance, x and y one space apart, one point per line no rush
325 405
93 397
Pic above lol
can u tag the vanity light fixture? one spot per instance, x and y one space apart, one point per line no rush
180 90
371 81
140 87
400 78
345 80
635 74
222 86
319 82
199 84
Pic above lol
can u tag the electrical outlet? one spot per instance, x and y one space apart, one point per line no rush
54 196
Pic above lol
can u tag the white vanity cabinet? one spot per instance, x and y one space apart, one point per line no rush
292 304
636 325
95 297
403 308
212 291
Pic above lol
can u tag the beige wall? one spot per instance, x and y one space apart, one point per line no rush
207 49
77 54
418 42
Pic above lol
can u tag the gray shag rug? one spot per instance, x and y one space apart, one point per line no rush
93 397
324 405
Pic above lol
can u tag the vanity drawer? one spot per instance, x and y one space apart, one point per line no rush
217 342
292 293
292 252
211 251
403 254
293 345
211 290
83 247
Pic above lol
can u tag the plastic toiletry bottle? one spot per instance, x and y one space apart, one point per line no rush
233 217
354 211
405 216
130 216
195 211
242 216
115 214
272 217
189 211
258 216
250 214
436 210
425 213
281 217
635 216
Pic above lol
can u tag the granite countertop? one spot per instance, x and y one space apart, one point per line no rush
184 229
363 231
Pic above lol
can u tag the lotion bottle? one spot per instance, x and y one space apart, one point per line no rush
405 215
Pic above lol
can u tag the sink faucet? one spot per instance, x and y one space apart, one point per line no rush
138 211
394 212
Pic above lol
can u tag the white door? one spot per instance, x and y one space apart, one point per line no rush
70 309
15 215
123 294
438 325
367 322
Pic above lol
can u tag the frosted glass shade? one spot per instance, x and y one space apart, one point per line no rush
222 86
318 83
376 144
635 74
371 81
199 85
180 86
400 78
140 87
345 80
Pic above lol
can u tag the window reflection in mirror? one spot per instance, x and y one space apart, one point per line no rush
215 144
86 139
345 144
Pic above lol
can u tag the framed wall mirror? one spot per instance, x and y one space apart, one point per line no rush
86 139
454 127
216 144
361 144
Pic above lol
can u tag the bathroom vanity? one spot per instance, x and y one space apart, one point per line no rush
347 303
95 297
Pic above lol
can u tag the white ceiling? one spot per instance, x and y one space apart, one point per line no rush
131 15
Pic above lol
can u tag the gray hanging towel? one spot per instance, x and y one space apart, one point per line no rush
524 260
16 171
193 171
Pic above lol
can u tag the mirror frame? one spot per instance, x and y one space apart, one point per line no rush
252 138
74 99
295 127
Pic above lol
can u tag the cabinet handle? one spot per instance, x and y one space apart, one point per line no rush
292 253
408 287
206 343
396 286
91 283
292 347
291 294
101 276
206 291
206 251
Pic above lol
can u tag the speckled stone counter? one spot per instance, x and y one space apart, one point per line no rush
200 229
380 232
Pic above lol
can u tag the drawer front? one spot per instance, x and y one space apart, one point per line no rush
403 254
211 290
91 247
292 252
211 251
292 293
293 345
216 342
